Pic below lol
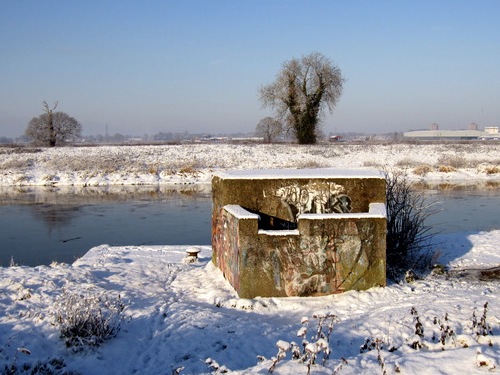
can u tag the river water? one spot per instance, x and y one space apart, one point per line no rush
38 226
41 225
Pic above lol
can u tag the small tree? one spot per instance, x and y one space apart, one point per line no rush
303 90
408 237
53 128
269 129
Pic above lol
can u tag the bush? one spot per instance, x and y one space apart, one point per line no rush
446 169
52 366
454 161
318 345
408 238
422 170
407 162
88 320
492 170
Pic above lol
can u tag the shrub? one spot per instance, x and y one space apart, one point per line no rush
446 169
408 238
492 170
371 163
88 320
407 162
311 350
189 168
52 366
482 328
309 164
454 161
422 170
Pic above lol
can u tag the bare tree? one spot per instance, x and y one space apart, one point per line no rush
269 128
53 128
302 91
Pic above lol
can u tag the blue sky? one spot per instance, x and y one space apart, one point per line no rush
159 66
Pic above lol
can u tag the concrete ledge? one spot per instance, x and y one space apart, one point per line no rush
315 173
293 232
377 210
239 212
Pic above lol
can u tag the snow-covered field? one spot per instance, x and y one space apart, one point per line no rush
181 164
179 314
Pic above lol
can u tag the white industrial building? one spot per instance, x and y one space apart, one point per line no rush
489 132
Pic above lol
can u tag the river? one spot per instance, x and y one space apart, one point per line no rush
41 225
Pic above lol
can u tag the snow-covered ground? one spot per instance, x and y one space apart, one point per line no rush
195 163
179 314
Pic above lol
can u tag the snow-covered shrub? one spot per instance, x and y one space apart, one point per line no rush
417 342
493 169
316 345
446 169
407 163
446 331
482 328
309 164
378 345
217 369
422 169
52 366
408 238
452 160
88 320
372 164
448 334
188 169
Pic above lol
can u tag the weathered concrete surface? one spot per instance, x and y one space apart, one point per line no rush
308 232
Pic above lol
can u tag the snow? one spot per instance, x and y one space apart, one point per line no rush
196 163
285 232
318 173
377 209
185 315
239 212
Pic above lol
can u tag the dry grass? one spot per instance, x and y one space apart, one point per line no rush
373 164
453 161
310 164
422 169
407 163
446 169
16 163
492 169
188 169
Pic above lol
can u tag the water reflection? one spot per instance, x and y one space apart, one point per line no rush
79 195
40 225
470 206
54 216
465 186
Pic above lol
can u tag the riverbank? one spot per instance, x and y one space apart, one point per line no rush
179 315
196 163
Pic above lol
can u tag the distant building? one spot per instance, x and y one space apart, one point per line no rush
491 129
490 132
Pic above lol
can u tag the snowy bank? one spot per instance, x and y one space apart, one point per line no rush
195 163
179 314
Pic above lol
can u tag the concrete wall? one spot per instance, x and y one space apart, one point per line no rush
337 240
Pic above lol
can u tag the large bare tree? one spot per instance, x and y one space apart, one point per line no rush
53 128
302 91
269 128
